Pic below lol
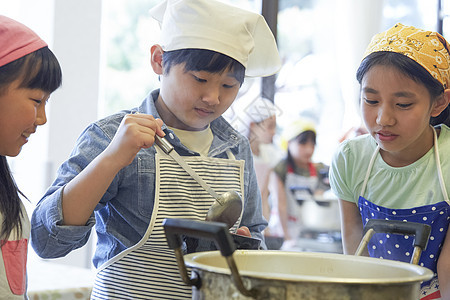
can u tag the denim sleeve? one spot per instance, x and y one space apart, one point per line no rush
49 238
252 216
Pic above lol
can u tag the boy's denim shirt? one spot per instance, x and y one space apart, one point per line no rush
123 214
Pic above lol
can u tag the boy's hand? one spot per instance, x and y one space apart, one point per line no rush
244 231
136 132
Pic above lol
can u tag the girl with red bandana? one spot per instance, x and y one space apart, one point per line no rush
29 73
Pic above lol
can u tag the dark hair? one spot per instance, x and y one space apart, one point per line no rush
305 137
409 68
37 70
203 60
10 207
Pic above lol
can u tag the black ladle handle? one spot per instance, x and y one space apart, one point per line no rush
420 231
218 232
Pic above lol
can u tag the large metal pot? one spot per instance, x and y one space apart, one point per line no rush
254 274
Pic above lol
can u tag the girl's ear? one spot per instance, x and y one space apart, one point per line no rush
156 59
441 103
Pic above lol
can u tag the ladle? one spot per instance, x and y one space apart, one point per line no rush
227 207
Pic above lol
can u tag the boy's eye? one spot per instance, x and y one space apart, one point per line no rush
370 102
199 79
404 105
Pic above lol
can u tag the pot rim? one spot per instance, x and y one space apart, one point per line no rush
418 273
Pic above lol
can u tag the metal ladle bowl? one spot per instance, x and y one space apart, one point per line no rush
226 209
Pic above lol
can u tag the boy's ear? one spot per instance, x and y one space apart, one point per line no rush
156 59
441 103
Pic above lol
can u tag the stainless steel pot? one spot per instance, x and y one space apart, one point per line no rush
321 214
253 274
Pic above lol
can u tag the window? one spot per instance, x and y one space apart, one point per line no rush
320 42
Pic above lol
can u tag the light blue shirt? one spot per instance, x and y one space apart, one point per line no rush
123 213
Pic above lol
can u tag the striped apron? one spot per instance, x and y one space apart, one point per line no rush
149 270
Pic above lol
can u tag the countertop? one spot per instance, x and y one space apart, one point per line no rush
50 280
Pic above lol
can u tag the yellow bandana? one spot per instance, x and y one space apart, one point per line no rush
294 129
427 48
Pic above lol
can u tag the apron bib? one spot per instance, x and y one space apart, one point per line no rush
14 258
298 188
400 247
149 270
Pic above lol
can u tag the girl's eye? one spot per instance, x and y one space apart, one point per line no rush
38 101
370 102
228 86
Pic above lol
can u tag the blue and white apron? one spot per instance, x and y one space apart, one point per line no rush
149 270
400 247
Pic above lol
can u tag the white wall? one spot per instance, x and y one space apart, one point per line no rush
357 22
72 30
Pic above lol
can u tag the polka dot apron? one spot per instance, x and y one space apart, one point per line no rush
149 269
400 247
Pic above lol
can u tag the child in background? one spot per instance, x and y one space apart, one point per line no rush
294 179
119 181
400 171
257 121
29 73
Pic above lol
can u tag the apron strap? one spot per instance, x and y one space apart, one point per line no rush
312 170
438 166
369 169
230 155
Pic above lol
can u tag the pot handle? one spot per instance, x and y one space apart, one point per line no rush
218 232
420 231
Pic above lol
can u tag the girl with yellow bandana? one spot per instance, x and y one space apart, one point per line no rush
399 171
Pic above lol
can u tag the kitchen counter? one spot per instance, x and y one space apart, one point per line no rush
49 280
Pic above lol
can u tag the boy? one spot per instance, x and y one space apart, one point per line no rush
117 179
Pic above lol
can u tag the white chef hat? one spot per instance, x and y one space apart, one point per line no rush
213 25
253 111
